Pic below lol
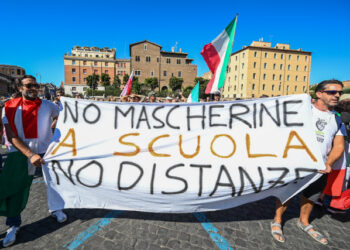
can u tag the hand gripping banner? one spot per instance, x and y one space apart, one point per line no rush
179 158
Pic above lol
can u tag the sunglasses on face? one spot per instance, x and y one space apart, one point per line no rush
333 92
31 85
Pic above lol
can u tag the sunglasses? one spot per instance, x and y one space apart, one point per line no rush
333 92
31 85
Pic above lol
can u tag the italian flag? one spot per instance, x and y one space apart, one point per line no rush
194 95
128 85
217 56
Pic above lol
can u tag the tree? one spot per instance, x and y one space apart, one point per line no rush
116 82
125 79
92 81
202 86
151 83
105 80
175 83
136 86
186 92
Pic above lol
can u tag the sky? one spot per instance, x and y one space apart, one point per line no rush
36 34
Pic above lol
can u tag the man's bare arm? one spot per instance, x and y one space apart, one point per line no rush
35 159
54 122
336 152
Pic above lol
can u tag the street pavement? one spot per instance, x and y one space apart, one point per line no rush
244 227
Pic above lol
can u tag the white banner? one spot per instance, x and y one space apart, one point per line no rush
180 158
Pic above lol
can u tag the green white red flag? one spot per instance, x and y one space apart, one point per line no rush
217 56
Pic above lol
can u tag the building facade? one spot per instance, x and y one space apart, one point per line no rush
149 60
260 69
8 75
84 61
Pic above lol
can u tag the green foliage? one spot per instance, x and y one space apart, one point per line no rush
136 86
175 83
116 82
187 91
202 86
96 92
152 82
92 81
346 90
125 79
165 93
113 91
105 80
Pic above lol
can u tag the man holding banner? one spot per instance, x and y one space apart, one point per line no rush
330 137
28 122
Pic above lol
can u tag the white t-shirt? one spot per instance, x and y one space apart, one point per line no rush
46 113
326 129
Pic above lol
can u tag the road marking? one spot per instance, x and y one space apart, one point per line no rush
92 230
213 232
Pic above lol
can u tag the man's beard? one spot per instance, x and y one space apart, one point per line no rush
30 95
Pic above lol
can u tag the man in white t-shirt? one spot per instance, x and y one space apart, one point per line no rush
28 121
330 137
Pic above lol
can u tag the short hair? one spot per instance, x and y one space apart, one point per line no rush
322 85
27 76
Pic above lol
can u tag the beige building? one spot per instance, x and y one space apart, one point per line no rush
207 75
260 69
149 60
8 75
84 61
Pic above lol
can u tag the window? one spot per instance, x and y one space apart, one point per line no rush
281 66
273 77
84 71
280 78
254 75
264 77
74 88
298 58
287 77
164 73
106 64
296 78
96 55
273 87
236 58
95 63
106 71
107 56
265 55
263 87
242 76
305 58
73 79
242 65
73 71
304 78
274 66
178 61
86 55
73 54
304 89
84 79
235 77
157 59
281 56
265 65
243 55
305 68
279 87
274 55
148 59
234 87
137 72
137 58
289 57
295 88
73 62
84 62
18 71
297 68
168 61
254 65
152 73
95 71
287 88
241 86
145 47
253 86
255 54
236 67
288 66
179 74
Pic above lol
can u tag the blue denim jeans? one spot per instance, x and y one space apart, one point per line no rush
14 221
